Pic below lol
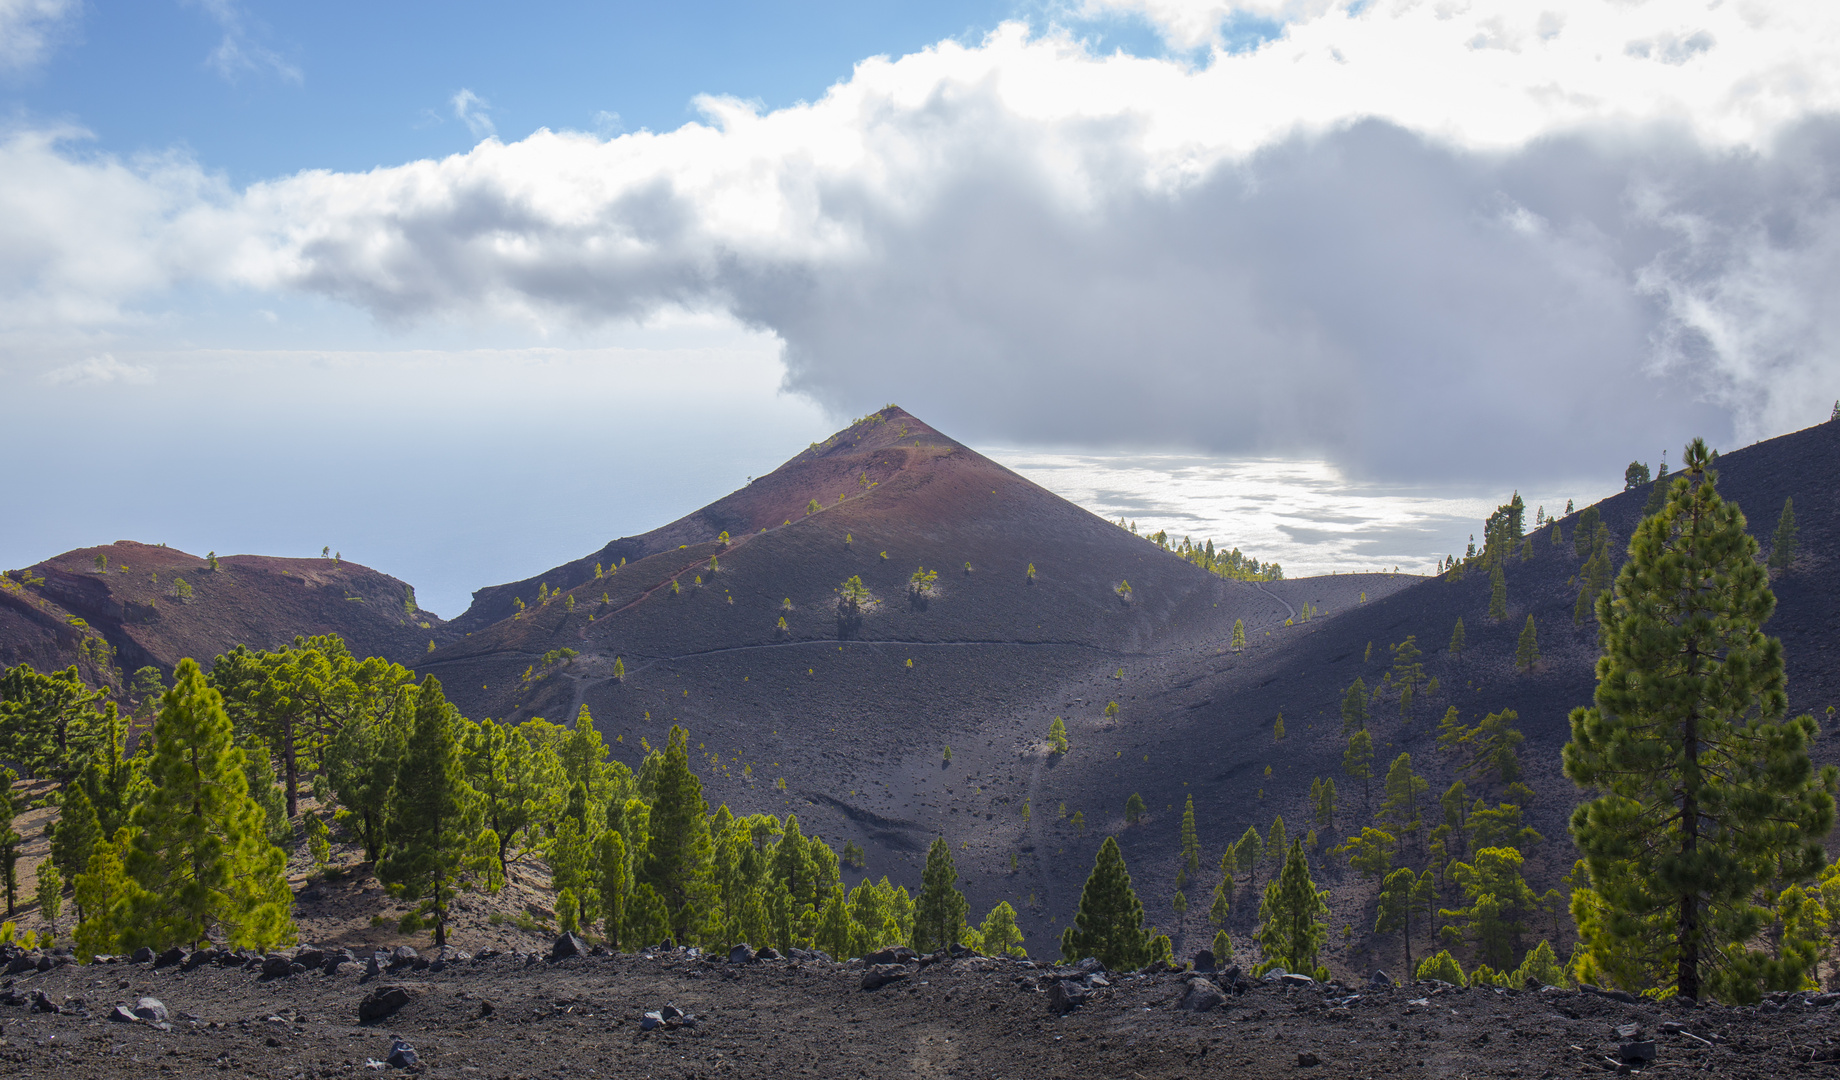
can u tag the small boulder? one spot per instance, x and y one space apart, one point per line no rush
308 956
900 954
1275 975
41 1002
567 945
336 960
402 1055
882 974
382 1002
650 1020
142 955
121 1014
277 967
1065 995
1638 1050
152 1011
1204 960
1294 979
768 953
200 958
1201 996
23 962
740 954
1307 1060
403 955
174 955
671 1012
1380 980
372 968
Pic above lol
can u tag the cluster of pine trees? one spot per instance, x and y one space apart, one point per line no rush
1227 564
184 840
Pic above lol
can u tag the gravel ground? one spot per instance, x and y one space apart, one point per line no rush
523 1016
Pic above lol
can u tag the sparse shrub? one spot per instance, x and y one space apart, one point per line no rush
813 507
1111 710
1123 589
1444 968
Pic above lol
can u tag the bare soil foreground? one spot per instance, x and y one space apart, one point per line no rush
512 1015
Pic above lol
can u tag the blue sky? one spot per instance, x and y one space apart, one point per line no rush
262 88
386 276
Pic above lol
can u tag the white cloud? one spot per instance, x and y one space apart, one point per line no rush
30 28
1419 237
96 371
471 109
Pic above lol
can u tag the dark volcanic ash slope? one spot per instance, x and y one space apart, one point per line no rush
855 714
1207 721
249 599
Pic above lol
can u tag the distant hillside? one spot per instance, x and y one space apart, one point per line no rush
57 611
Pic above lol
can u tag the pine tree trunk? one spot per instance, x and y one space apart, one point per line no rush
290 765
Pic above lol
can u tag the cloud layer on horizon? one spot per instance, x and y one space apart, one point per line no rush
1424 239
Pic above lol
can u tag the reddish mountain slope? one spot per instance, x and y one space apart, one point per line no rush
136 607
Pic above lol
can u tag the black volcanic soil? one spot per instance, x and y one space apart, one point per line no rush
516 1017
255 600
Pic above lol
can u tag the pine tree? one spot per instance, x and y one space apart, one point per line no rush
1110 922
1403 788
1274 840
1396 905
77 831
1782 544
1134 809
1354 706
1000 934
1239 635
1191 843
1456 637
50 891
939 913
1291 930
1527 650
1277 729
201 865
1493 743
1223 892
1222 947
1358 762
435 815
9 840
1325 805
1498 593
679 855
1057 737
1249 853
98 889
616 885
1706 793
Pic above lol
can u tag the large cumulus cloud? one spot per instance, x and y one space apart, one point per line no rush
1417 238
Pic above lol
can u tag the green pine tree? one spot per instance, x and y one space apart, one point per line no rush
1000 934
1239 635
1134 809
616 886
1456 637
939 912
9 840
1223 892
679 855
1277 729
1110 922
1191 843
435 815
1249 853
1782 543
1291 930
1397 903
1354 706
50 891
1498 593
1057 736
1403 787
1706 795
1222 947
1358 763
201 865
77 831
1527 650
